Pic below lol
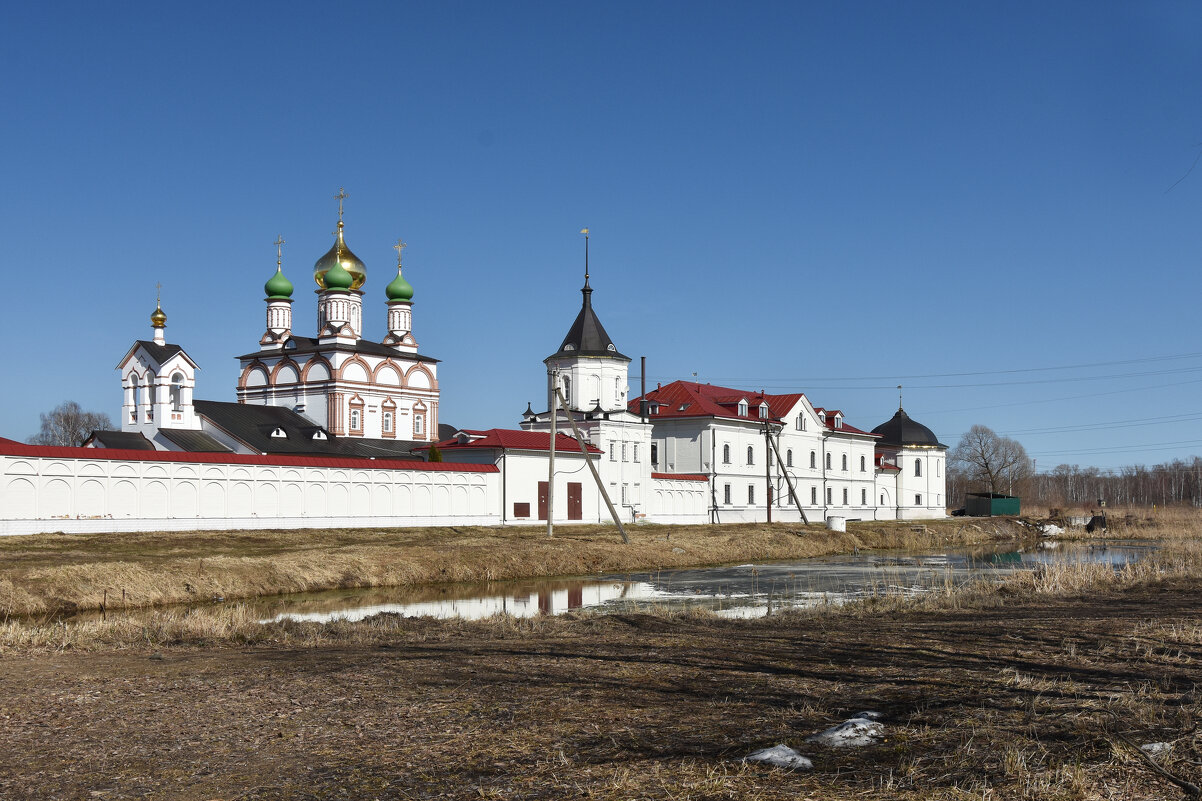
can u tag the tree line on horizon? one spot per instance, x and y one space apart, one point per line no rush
984 461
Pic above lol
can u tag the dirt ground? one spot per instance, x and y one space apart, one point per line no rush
992 703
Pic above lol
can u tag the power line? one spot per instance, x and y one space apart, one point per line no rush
1153 421
1064 398
1155 446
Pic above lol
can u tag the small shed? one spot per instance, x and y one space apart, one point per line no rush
990 504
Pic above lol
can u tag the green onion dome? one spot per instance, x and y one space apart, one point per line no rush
399 289
278 287
338 278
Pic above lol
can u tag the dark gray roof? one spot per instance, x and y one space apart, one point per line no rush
125 440
587 336
295 345
254 424
160 353
193 441
901 430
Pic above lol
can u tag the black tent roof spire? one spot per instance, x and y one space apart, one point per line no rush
587 336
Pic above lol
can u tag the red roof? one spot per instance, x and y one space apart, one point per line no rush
690 399
512 439
10 447
681 476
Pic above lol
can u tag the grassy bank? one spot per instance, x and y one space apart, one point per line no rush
53 573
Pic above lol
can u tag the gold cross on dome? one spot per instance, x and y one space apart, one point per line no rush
399 247
341 196
158 293
279 250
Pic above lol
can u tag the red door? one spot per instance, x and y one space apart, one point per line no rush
542 500
575 512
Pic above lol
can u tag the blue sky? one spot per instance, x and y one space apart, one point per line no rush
833 198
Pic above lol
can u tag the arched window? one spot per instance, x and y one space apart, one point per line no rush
356 420
742 408
918 467
845 462
567 390
801 422
828 461
750 455
133 406
813 460
154 395
863 463
726 454
386 422
617 390
177 392
789 458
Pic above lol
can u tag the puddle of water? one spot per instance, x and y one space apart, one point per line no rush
738 591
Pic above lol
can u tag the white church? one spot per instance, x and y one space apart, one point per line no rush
335 430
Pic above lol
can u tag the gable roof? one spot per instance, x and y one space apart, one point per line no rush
127 440
253 424
511 439
682 399
160 353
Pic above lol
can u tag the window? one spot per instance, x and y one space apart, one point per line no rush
419 424
636 451
617 390
567 391
177 392
133 411
751 494
863 497
829 496
845 496
763 411
624 486
813 496
801 422
863 465
828 461
813 460
742 408
726 454
918 500
654 453
789 458
938 468
613 453
845 462
750 455
154 395
623 451
918 467
356 419
726 494
386 422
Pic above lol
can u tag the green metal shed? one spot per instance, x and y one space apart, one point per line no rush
991 504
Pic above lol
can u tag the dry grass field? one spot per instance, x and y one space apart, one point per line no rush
1041 687
53 573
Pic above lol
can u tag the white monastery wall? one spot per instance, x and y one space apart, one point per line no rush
76 495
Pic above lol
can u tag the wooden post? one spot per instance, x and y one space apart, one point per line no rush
551 457
789 481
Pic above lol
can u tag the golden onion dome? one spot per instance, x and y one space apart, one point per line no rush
340 253
157 318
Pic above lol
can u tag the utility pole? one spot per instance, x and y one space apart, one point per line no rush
789 482
768 468
593 469
551 458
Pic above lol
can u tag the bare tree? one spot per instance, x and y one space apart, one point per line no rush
68 424
989 461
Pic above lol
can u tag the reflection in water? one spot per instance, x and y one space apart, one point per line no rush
740 591
734 591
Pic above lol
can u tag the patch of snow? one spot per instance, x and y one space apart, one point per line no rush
1050 530
782 756
867 715
1156 750
852 733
